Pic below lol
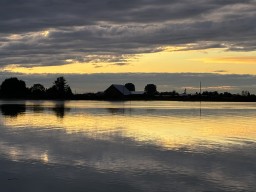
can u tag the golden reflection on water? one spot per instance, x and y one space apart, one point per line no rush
167 131
159 144
17 153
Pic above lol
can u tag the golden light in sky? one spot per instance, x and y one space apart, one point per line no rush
199 61
131 37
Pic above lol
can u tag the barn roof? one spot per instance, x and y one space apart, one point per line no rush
122 89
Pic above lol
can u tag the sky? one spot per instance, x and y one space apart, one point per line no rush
94 43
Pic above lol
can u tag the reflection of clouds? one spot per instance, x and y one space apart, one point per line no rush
170 132
148 152
13 153
18 153
171 127
133 161
44 157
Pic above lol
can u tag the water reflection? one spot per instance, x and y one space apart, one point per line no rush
37 108
60 109
117 110
172 128
114 147
13 110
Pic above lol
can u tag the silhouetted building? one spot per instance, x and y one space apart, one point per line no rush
115 91
137 92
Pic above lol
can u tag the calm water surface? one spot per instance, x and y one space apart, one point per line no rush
127 146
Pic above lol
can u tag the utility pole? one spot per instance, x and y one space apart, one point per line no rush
200 88
200 99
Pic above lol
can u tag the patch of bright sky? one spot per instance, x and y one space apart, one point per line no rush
168 61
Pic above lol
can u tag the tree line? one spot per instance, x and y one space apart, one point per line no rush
15 88
150 89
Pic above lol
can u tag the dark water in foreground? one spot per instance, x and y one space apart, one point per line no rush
130 146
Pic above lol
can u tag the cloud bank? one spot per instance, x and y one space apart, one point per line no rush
51 32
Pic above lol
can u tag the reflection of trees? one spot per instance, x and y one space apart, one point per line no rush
12 110
116 110
119 110
37 108
60 110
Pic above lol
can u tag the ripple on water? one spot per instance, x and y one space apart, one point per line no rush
130 146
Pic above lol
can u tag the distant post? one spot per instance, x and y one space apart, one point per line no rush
200 88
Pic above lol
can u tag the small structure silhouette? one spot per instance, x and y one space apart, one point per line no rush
116 91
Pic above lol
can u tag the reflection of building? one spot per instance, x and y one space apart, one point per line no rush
117 91
137 92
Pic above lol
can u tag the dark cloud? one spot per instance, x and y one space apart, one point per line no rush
80 30
220 71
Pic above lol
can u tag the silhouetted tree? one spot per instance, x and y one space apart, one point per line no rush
60 89
130 86
150 89
13 88
172 93
210 93
227 94
51 92
175 93
37 91
245 93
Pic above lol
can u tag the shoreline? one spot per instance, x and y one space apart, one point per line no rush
180 99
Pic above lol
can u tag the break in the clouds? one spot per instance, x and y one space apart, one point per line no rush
53 32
